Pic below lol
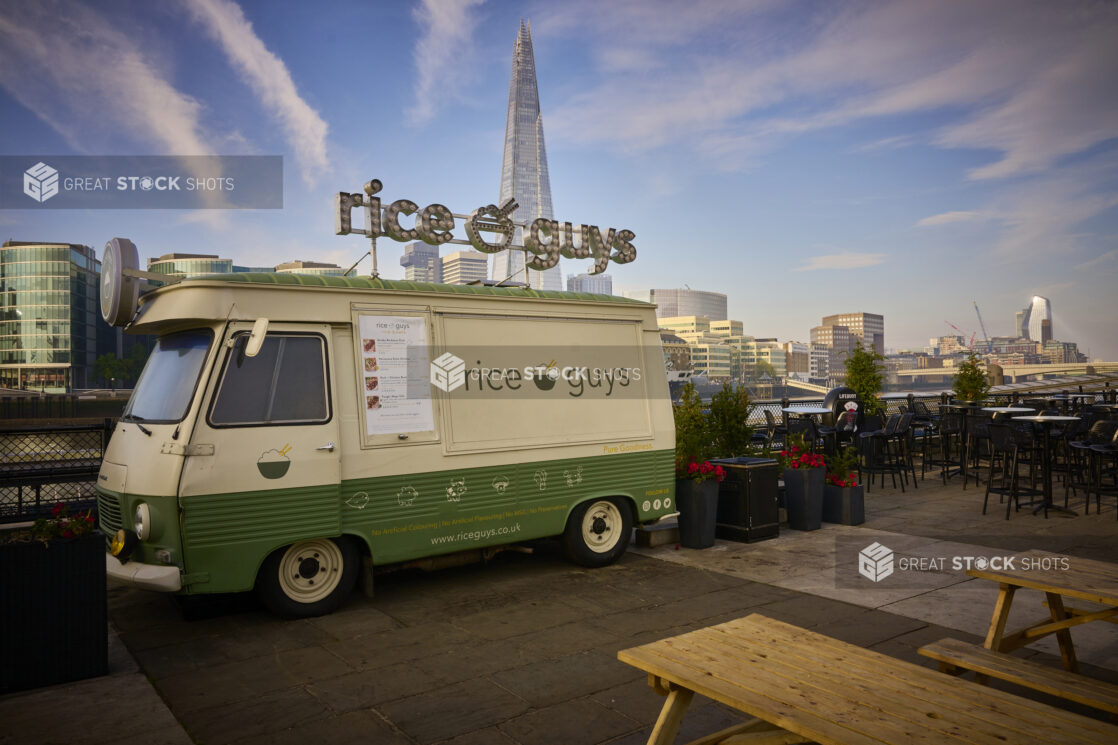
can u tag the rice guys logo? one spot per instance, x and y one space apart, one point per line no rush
875 562
448 372
40 182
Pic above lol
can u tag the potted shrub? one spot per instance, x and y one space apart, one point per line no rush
53 616
803 485
696 485
970 384
730 432
864 375
843 498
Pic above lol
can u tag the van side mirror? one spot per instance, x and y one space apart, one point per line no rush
256 338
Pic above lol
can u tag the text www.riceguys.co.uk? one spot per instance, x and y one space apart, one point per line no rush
476 535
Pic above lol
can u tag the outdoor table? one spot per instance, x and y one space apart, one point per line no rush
1045 423
1007 409
806 412
823 690
1083 579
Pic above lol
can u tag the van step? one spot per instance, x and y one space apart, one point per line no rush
659 534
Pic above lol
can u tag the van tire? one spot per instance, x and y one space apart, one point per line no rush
598 531
309 578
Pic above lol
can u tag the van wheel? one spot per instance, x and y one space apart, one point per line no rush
309 578
598 532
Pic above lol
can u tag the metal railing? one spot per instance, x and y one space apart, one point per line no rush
41 466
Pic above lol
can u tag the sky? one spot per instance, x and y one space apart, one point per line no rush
804 157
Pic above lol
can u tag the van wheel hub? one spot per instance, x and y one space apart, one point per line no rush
310 571
601 527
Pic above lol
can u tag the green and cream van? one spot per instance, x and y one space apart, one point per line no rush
289 430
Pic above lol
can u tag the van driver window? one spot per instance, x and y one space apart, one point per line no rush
285 383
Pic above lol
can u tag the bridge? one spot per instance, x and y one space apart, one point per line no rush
1018 373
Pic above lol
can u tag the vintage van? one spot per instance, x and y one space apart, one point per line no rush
289 430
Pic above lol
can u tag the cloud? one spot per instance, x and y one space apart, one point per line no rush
1110 257
1031 81
949 217
446 31
269 79
842 260
92 84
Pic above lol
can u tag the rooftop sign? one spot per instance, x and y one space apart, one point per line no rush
489 229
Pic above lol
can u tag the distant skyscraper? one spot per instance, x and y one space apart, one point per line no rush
672 303
1039 319
421 263
1021 324
524 165
599 284
869 328
464 267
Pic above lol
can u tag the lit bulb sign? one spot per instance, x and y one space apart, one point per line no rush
489 229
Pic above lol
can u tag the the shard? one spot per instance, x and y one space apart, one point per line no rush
524 165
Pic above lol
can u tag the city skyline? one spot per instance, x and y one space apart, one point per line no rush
802 158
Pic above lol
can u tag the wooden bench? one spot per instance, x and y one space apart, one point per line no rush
955 656
819 689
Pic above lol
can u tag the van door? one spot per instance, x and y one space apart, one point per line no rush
263 467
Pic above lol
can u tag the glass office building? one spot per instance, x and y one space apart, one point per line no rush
49 315
671 303
1038 319
524 175
189 265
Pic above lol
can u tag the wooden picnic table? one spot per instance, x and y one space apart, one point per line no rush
802 686
1058 577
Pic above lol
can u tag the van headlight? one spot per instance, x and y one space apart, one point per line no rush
141 521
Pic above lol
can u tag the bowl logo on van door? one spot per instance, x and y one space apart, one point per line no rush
273 464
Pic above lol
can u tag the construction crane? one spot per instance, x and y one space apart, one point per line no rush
989 344
963 334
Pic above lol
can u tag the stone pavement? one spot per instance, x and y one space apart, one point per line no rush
523 650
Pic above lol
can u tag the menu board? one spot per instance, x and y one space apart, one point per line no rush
391 346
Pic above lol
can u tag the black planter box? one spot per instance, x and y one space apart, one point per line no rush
53 615
747 500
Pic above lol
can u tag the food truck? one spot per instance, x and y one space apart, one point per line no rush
290 430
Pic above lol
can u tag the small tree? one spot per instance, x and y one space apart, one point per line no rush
135 361
108 368
864 375
729 421
692 430
970 383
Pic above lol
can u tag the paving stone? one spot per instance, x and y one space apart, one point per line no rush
487 736
577 722
635 699
547 683
869 628
560 641
355 620
367 688
245 679
452 711
399 645
345 729
260 715
522 618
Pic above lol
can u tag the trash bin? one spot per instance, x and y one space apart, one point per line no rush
698 505
747 500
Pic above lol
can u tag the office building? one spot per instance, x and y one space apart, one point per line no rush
524 175
1038 319
868 328
421 263
798 359
819 362
190 265
49 315
1021 324
673 303
598 284
464 267
307 267
677 353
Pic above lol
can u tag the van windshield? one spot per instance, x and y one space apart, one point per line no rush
169 378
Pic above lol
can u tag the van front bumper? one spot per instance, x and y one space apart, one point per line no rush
144 576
